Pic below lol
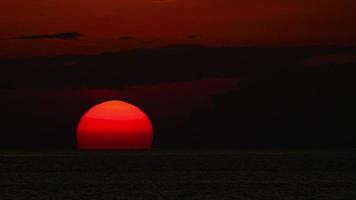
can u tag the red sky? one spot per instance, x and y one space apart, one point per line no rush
164 22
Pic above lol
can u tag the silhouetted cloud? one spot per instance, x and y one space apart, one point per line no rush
148 41
193 36
125 38
129 38
138 40
61 36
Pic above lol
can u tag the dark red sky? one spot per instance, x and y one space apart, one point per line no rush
164 22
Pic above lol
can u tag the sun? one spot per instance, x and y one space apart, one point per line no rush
114 125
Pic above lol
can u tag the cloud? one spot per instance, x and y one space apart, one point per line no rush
193 36
125 38
161 99
129 38
58 36
148 41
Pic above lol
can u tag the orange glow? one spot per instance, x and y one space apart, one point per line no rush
114 125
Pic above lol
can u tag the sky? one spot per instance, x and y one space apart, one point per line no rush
189 93
34 27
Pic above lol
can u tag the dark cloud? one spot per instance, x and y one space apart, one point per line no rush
148 41
186 100
129 38
138 40
61 36
125 38
193 36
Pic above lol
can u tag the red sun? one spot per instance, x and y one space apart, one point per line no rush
114 125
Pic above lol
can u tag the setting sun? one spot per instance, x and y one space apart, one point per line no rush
114 125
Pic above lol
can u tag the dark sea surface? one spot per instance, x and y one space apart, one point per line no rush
178 175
